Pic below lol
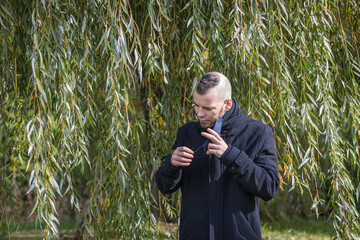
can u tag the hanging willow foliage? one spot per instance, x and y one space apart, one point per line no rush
100 87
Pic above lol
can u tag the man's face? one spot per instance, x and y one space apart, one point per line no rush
208 107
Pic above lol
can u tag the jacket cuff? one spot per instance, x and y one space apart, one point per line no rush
233 156
229 155
171 169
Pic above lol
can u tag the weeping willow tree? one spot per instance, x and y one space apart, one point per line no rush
98 89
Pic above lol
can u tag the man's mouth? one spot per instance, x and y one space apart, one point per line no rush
205 123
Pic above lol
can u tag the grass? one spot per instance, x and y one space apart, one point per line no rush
29 231
281 230
298 229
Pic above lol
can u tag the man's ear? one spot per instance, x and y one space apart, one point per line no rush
228 104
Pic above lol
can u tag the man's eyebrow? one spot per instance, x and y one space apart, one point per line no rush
206 107
195 104
209 107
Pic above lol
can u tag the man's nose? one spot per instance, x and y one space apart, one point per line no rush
200 113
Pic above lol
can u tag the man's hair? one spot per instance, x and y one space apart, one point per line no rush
214 79
209 80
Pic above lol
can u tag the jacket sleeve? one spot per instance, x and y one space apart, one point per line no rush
168 177
259 176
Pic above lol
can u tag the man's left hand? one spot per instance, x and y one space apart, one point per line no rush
217 146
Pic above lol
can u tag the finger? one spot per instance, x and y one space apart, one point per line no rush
212 146
214 133
211 151
181 164
185 149
209 136
182 161
186 155
179 155
182 157
215 152
184 152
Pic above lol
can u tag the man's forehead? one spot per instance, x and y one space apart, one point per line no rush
207 99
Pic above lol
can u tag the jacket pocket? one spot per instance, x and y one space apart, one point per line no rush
244 228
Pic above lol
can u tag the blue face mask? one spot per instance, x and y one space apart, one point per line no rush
200 151
218 124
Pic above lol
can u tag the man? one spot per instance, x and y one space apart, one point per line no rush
221 176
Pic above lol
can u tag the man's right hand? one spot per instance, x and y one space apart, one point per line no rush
182 157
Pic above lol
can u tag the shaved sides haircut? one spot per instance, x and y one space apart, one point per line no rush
214 79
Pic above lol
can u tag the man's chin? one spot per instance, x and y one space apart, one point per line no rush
206 125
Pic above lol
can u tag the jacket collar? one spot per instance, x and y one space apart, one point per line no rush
233 112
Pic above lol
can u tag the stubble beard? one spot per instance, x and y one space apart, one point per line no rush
206 124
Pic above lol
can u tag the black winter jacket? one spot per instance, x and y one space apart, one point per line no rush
220 196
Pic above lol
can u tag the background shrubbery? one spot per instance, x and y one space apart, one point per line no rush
92 93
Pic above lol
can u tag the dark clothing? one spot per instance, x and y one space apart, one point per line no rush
220 196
